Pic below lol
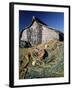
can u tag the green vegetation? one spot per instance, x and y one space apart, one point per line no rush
31 66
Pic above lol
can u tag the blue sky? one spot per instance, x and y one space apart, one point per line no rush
52 19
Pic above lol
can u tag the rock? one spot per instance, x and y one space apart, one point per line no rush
24 44
40 53
46 46
38 32
33 63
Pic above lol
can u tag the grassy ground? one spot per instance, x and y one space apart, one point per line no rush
33 67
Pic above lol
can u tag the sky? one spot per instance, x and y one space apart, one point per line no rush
52 19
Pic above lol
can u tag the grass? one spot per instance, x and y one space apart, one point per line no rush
53 66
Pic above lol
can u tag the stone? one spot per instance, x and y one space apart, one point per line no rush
38 32
40 53
24 44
